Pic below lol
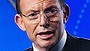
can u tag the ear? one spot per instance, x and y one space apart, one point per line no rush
66 12
19 21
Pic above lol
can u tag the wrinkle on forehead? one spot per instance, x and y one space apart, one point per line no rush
35 4
42 1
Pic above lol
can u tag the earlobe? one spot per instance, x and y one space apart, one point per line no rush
18 20
66 12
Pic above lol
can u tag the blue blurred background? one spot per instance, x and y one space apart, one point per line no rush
14 39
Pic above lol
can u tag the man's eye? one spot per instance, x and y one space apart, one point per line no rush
47 11
53 10
33 14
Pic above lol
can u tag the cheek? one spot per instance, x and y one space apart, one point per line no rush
58 26
30 29
55 24
56 21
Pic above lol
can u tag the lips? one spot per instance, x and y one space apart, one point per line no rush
45 35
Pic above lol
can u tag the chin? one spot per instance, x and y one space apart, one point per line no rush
47 44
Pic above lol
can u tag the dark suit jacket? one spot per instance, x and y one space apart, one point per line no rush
74 44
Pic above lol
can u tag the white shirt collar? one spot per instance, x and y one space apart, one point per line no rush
59 46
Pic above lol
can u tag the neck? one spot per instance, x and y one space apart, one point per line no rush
39 48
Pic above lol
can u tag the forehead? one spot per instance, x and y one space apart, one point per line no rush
36 4
36 1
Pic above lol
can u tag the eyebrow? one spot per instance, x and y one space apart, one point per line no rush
52 6
32 10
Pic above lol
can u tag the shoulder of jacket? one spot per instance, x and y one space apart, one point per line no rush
29 49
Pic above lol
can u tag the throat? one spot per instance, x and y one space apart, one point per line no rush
35 48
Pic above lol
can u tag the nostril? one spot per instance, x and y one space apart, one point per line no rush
45 25
48 24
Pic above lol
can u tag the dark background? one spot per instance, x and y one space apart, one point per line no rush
14 39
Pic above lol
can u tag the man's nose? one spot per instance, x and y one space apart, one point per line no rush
44 21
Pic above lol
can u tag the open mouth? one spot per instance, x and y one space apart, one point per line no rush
45 35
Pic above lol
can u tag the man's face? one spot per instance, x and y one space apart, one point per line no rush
44 30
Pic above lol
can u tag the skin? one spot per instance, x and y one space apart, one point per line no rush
33 28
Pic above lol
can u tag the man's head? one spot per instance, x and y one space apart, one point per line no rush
43 20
